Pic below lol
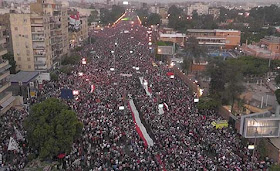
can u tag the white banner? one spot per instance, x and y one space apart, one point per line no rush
18 134
13 145
144 83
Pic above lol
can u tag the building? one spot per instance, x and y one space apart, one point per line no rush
40 38
178 38
215 12
6 98
268 47
78 28
200 8
5 21
271 43
222 39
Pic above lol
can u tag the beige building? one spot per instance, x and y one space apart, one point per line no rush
6 98
200 8
215 12
40 38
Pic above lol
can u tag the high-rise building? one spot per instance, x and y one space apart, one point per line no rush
40 38
58 26
6 98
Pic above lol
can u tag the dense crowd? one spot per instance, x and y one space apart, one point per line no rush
184 138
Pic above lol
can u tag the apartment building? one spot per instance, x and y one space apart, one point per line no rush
216 38
58 24
6 98
200 8
215 12
40 38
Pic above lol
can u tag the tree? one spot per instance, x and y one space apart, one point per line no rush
275 167
66 69
193 48
54 76
234 85
71 60
262 149
277 79
143 15
208 103
93 16
12 62
51 128
277 94
174 14
153 19
216 70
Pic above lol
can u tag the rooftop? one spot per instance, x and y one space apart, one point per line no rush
23 76
272 39
173 35
210 31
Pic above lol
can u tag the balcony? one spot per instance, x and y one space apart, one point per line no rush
40 63
37 24
2 40
3 63
38 39
39 54
4 74
4 86
38 47
3 50
4 96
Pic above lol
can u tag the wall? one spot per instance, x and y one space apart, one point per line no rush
22 41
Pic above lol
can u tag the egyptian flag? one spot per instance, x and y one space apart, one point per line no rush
166 106
169 74
92 88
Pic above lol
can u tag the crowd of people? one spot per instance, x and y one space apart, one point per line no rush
184 138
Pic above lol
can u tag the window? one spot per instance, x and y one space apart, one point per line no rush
19 58
24 20
29 66
28 59
16 29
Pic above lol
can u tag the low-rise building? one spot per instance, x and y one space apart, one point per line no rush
268 47
222 39
178 38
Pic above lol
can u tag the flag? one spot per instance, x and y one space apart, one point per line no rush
18 134
169 73
62 155
13 145
92 88
166 106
